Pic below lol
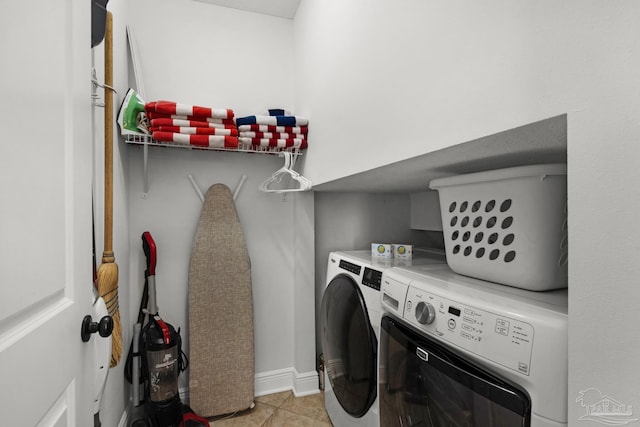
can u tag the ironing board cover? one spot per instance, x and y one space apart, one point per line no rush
221 347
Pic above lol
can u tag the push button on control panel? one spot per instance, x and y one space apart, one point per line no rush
502 327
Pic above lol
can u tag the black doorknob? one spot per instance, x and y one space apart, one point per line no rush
104 327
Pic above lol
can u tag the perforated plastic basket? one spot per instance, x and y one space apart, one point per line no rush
507 226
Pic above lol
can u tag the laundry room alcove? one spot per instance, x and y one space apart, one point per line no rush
390 109
393 203
278 228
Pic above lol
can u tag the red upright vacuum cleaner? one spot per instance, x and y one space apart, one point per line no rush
156 358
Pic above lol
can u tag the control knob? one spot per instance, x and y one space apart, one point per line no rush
425 313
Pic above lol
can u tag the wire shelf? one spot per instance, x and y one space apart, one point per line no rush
147 140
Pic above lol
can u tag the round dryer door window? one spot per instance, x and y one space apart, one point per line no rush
349 346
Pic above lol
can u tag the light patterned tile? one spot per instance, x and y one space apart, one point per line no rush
311 406
275 399
255 417
284 418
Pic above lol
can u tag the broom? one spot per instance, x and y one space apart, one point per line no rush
108 270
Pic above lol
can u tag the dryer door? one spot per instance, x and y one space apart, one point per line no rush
349 345
426 384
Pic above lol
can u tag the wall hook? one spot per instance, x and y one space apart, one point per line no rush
200 195
95 84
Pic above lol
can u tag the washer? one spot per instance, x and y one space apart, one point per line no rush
350 323
460 351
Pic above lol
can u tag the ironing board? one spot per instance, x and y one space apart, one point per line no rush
221 348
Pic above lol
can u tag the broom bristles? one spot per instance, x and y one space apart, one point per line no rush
108 290
116 343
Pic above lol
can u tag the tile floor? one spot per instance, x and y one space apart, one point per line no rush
279 410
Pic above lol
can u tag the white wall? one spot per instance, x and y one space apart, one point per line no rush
201 54
604 198
171 211
304 284
385 81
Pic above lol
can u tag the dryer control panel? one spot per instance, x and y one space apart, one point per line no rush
492 336
371 278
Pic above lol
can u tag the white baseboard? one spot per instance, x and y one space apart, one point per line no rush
287 379
304 384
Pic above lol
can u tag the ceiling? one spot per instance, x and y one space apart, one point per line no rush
280 8
536 143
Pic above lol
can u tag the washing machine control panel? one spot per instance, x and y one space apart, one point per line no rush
489 335
350 267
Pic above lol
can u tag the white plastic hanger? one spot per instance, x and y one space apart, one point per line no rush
283 172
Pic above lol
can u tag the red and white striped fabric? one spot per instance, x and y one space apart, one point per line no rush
194 130
272 135
277 143
216 141
152 115
189 123
271 128
169 107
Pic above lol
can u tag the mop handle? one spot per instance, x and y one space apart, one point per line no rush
108 142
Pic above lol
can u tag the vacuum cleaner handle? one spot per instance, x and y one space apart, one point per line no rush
149 247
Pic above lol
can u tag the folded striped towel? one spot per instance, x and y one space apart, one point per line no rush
217 141
154 115
272 120
272 135
303 130
270 142
194 130
169 107
189 123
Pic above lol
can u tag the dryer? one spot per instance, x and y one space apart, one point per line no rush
350 323
461 351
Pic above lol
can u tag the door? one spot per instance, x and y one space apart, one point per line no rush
45 212
349 345
425 384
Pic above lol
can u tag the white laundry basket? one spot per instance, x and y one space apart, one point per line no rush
507 226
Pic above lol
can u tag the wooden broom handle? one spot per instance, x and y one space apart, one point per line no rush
108 140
